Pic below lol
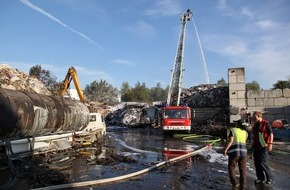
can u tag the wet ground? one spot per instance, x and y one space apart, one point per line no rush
126 151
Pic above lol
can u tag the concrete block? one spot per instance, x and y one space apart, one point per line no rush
241 79
237 86
242 94
251 102
236 71
269 102
273 93
280 101
238 102
286 93
255 94
233 94
232 79
260 102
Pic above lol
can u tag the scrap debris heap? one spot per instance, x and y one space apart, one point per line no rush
132 114
126 114
206 95
14 79
141 114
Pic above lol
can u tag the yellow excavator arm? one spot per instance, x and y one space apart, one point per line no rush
72 75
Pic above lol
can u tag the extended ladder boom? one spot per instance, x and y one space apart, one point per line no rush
174 91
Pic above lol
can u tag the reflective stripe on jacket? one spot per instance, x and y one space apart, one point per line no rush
238 147
262 131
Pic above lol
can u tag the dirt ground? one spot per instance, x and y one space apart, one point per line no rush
129 150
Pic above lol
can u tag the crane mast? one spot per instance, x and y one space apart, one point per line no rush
174 91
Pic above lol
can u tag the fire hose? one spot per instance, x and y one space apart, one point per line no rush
194 138
127 176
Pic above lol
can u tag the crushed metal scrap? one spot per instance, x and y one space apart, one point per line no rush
133 114
206 95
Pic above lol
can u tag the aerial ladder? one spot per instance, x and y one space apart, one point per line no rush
72 75
175 116
174 92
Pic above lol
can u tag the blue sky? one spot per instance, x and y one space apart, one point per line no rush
136 40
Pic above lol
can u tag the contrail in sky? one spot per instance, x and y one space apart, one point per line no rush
29 4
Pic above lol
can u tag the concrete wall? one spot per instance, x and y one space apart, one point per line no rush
237 92
275 104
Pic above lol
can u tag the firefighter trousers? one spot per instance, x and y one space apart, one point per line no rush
241 162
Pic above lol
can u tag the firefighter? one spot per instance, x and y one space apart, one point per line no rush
237 152
262 145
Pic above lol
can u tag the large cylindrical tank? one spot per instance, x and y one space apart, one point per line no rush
25 114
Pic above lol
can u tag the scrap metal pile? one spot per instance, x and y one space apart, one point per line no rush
14 79
206 95
132 114
125 114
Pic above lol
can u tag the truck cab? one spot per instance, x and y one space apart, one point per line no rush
176 118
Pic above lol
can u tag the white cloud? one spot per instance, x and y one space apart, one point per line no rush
261 44
247 12
265 55
32 6
141 28
235 48
164 8
267 24
123 62
231 46
222 4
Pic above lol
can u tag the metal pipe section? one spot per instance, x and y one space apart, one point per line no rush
25 114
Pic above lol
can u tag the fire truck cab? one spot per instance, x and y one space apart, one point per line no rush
176 118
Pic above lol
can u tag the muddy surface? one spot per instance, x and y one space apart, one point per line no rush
127 151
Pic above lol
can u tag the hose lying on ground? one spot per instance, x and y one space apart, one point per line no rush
127 176
194 138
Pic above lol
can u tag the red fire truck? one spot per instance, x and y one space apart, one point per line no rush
176 117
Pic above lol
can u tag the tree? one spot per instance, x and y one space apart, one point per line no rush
46 77
101 91
281 84
126 92
157 93
140 92
221 82
254 85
